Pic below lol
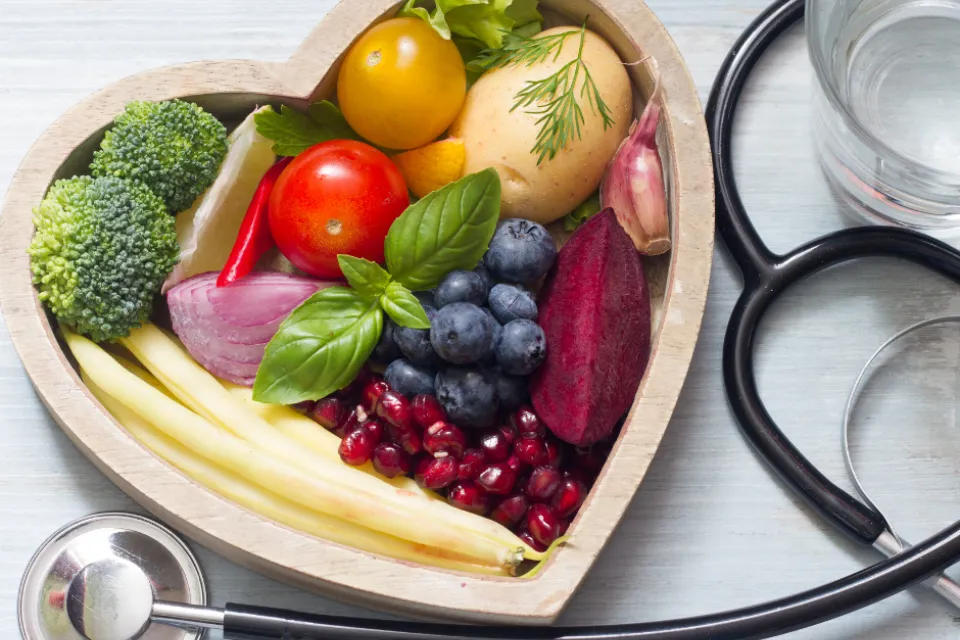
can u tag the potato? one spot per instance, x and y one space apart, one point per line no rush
495 137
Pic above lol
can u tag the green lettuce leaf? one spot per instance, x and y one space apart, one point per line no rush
483 20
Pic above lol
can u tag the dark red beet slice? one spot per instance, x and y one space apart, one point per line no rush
595 311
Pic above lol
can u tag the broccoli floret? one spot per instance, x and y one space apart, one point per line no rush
173 147
102 249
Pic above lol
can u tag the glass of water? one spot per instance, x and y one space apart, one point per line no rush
887 107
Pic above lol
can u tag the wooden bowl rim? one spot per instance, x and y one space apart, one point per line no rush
294 557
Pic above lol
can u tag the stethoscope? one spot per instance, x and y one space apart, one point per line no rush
116 576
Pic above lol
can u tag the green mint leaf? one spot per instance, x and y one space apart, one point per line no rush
293 132
448 229
403 307
367 278
319 348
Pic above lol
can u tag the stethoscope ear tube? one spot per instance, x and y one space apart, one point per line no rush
766 275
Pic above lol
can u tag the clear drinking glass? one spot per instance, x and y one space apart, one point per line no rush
887 107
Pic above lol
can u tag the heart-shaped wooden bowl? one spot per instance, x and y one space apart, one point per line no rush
230 89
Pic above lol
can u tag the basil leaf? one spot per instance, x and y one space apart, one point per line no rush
403 308
293 132
448 229
319 348
367 278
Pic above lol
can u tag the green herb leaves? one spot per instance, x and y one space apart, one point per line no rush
554 100
403 308
323 344
367 278
293 132
482 20
448 229
320 347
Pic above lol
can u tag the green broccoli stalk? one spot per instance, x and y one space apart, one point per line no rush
175 148
102 248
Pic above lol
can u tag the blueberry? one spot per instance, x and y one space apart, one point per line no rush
512 302
415 343
461 286
386 350
520 251
511 390
522 347
497 329
468 397
425 298
409 379
482 271
460 333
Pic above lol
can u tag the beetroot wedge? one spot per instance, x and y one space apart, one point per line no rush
595 311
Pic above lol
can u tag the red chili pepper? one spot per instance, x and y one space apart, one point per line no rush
254 237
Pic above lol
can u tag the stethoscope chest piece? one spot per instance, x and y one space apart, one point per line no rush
101 575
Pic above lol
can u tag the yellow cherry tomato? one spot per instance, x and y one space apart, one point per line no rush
401 84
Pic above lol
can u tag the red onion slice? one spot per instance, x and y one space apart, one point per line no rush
226 329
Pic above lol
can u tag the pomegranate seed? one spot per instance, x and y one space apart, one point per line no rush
395 409
469 497
515 463
329 412
357 447
528 538
526 421
407 439
350 421
420 464
304 407
471 464
497 478
390 460
375 427
554 453
510 510
577 474
531 449
588 459
495 446
509 433
371 393
427 410
352 390
439 472
569 497
543 524
443 437
543 483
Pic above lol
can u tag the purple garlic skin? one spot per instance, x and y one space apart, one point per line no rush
633 184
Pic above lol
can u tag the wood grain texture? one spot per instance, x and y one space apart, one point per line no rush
710 528
232 88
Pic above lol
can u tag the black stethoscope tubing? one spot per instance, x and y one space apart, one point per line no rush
766 276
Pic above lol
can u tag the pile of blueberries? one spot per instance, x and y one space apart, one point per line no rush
483 338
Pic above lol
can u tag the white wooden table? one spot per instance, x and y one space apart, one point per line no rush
710 528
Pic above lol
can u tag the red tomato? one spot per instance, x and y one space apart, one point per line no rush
336 197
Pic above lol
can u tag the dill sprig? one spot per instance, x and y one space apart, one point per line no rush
553 99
